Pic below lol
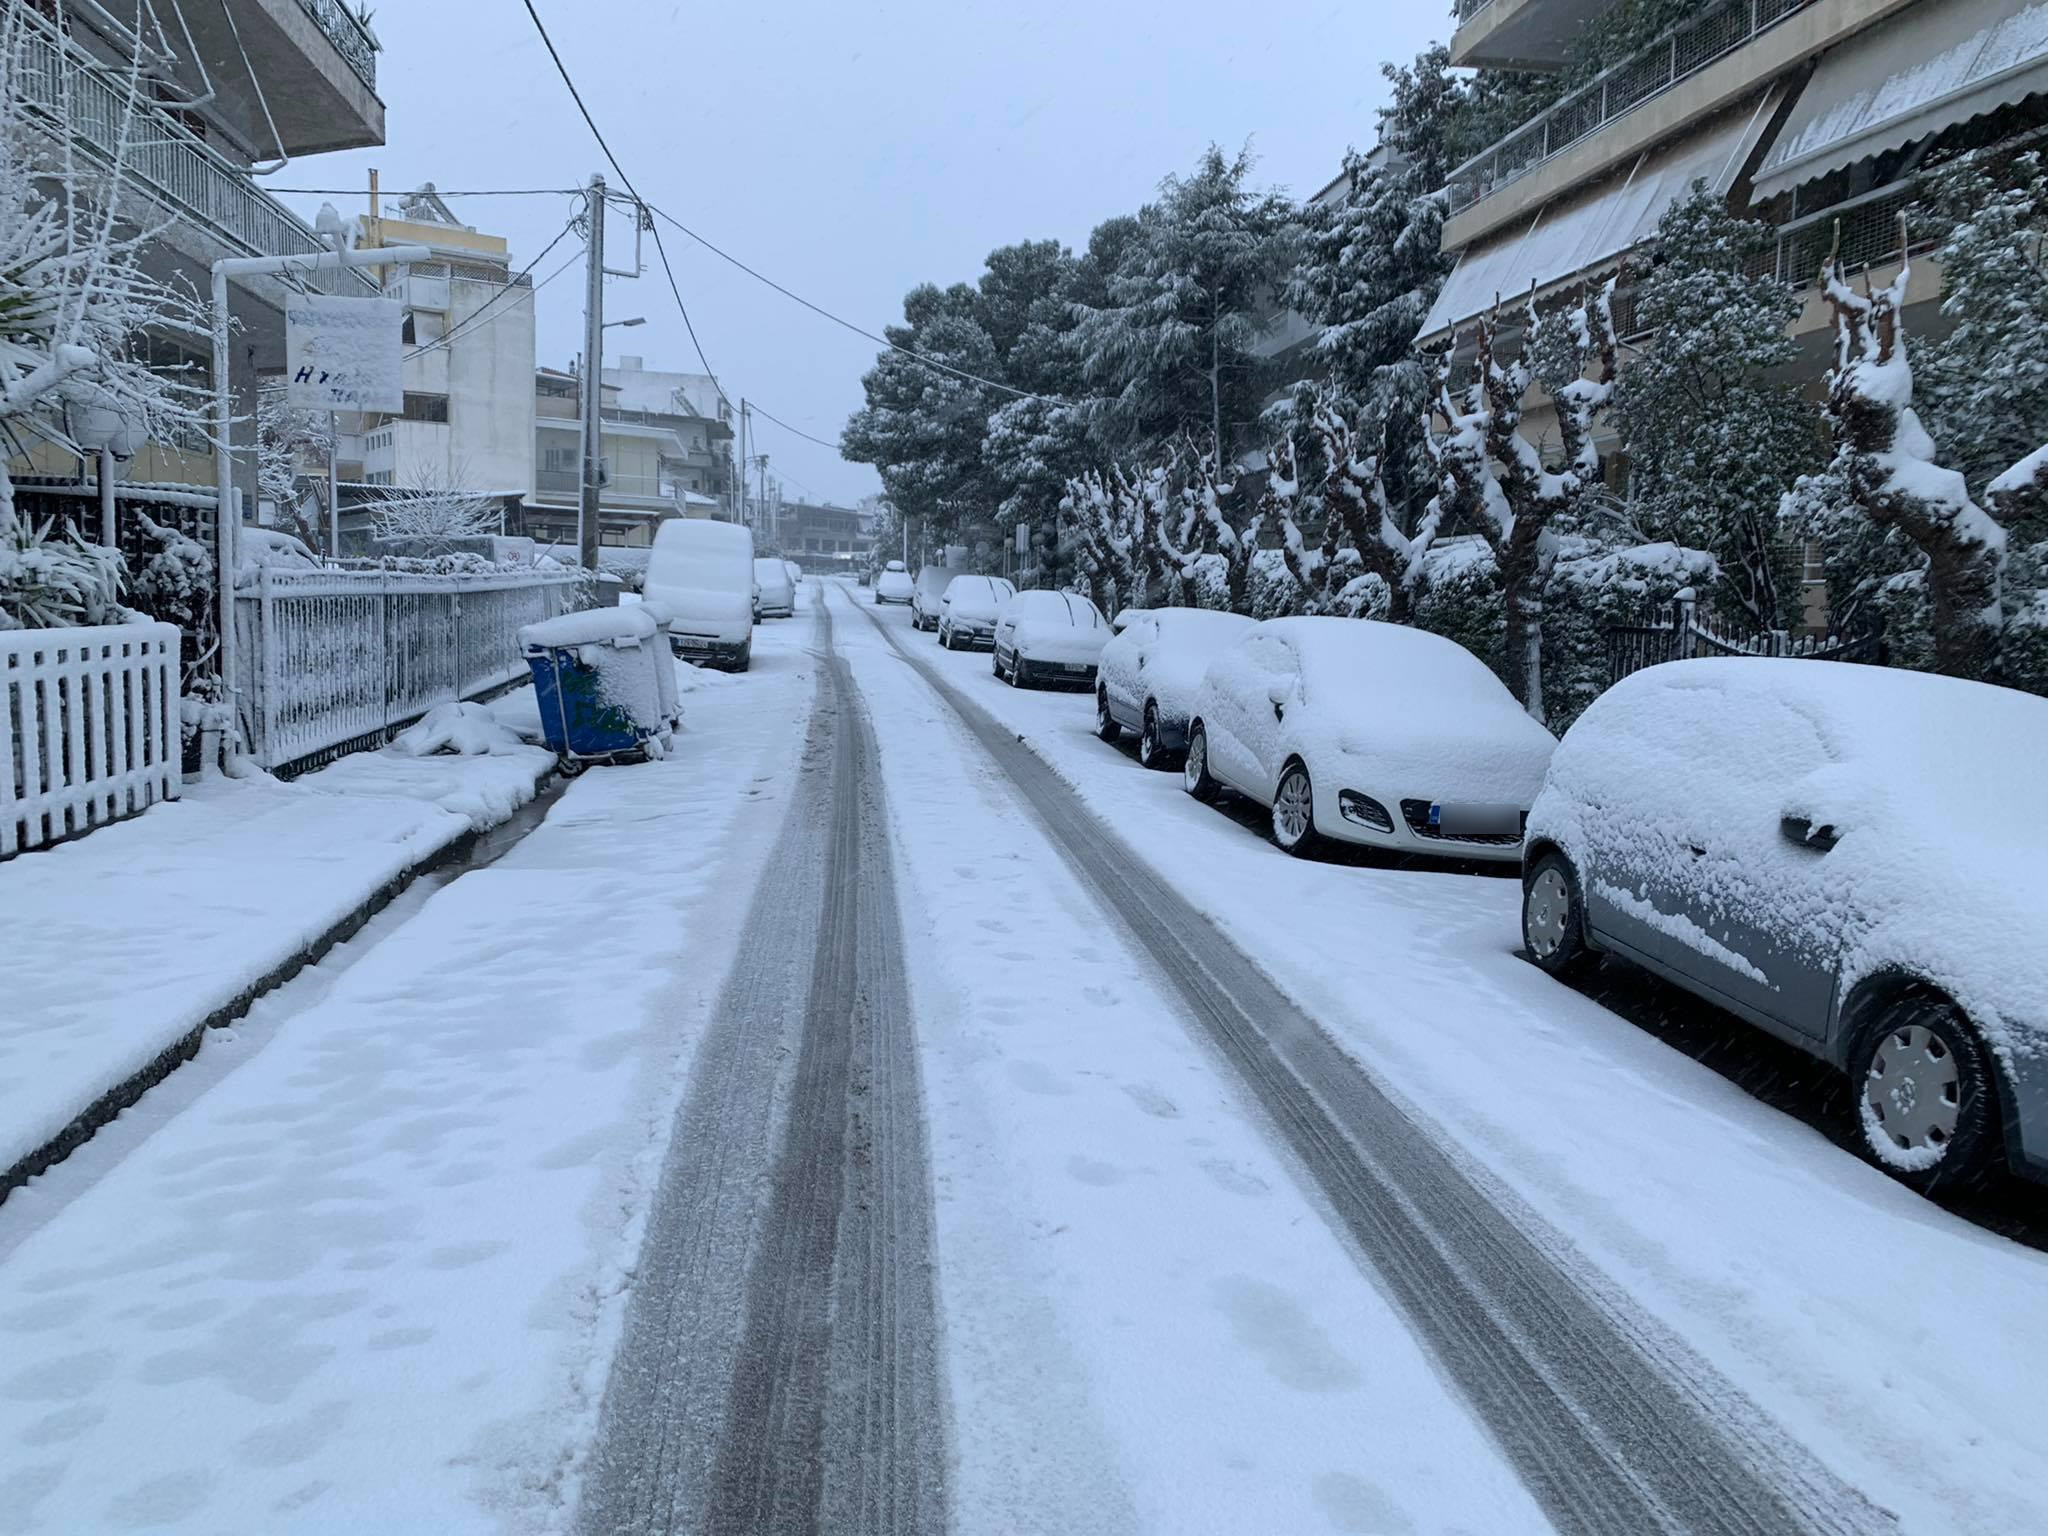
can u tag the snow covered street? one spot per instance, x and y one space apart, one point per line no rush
897 1111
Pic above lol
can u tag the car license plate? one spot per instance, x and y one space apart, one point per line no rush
1476 820
1075 666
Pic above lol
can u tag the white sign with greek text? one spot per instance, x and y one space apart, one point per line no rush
344 354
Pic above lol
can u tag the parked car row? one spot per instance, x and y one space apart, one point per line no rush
1853 859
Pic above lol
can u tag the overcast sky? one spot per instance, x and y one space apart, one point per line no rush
849 149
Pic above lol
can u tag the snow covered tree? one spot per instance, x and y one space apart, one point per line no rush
287 437
1715 431
75 304
1495 477
1983 388
1170 346
1884 480
436 511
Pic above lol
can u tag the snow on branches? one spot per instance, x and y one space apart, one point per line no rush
436 511
1884 468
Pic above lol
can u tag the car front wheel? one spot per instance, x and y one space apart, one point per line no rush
1926 1104
1105 723
1554 916
1194 773
1294 811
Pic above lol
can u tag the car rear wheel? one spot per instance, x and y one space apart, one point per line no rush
1294 811
1926 1104
1105 723
1150 753
1194 773
1554 916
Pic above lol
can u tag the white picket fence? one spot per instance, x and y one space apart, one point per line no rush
88 728
336 660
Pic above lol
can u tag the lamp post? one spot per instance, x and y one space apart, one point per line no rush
225 519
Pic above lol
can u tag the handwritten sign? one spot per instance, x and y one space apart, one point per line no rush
344 354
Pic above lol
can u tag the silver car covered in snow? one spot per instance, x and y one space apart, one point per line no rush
1852 858
1151 671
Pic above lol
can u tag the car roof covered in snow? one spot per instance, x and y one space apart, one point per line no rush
1344 655
1199 622
1044 606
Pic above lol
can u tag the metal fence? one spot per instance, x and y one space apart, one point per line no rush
1617 90
336 661
349 34
89 728
1681 628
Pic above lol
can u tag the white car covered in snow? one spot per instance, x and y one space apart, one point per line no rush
1150 673
1368 733
1852 858
893 585
1045 638
775 592
967 613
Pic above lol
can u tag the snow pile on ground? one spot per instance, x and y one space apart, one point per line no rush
367 1281
130 937
465 730
690 677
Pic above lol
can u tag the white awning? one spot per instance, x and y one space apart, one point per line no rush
1929 67
1569 240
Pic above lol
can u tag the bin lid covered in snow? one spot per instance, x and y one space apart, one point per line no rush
590 627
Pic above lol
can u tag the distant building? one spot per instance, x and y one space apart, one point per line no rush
655 463
706 462
820 537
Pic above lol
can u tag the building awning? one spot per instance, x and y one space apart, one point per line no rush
1569 240
1926 69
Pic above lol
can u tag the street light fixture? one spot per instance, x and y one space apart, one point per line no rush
636 320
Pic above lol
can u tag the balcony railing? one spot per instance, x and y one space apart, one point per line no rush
1467 9
1615 92
164 159
350 36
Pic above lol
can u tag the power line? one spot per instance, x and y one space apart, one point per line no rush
471 321
438 192
760 410
818 309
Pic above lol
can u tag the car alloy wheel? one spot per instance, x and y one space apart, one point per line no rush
1105 723
1294 811
1150 753
1194 772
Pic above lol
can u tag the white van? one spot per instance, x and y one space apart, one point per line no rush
777 593
703 572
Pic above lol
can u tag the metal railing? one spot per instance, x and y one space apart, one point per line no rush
162 158
1615 92
334 661
1467 9
351 37
89 728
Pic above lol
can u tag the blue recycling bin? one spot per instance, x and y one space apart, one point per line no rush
596 684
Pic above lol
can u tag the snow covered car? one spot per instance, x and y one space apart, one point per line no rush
1151 671
1369 733
796 573
1045 637
1854 859
777 593
927 593
893 585
967 613
702 574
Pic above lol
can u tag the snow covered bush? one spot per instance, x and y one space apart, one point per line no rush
1592 589
435 512
174 583
55 580
1458 596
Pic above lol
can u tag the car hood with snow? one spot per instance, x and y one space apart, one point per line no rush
976 600
1893 819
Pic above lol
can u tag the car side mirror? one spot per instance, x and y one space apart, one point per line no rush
1801 830
1278 694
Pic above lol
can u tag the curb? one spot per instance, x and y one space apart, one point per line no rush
131 1089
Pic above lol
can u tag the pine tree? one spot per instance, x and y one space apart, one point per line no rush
1715 431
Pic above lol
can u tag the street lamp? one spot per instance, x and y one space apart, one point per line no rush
615 324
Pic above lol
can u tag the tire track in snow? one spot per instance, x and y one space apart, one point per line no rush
1614 1425
778 1371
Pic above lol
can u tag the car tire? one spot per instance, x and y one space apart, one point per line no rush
1294 812
1554 916
1150 753
1195 776
1925 1100
1106 728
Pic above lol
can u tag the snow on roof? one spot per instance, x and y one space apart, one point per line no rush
1920 71
1564 243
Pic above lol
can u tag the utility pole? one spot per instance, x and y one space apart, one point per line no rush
764 513
593 380
740 495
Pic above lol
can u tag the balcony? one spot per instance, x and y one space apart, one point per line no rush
1519 34
166 162
1615 93
317 64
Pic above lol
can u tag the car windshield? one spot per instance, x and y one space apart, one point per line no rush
600 934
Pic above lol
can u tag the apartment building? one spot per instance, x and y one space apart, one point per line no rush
1806 114
468 417
242 86
650 458
704 421
822 537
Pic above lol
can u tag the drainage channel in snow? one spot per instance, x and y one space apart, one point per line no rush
35 1204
